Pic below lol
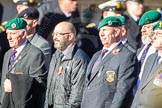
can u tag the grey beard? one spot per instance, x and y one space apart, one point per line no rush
146 40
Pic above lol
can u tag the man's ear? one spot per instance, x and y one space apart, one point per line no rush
124 31
24 33
35 22
71 36
117 32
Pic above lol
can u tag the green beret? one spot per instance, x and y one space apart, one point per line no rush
112 21
149 17
122 19
15 24
158 25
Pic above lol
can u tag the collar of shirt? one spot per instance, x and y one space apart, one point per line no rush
160 57
124 40
67 14
29 37
68 52
135 17
20 48
110 48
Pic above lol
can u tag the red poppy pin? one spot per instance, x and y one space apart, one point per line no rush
115 51
59 71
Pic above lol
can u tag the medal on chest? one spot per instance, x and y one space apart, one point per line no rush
59 70
158 80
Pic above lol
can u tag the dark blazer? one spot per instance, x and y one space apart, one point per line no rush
140 49
44 46
51 15
23 94
31 62
112 80
133 32
128 46
148 69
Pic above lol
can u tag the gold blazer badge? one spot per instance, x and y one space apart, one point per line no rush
110 76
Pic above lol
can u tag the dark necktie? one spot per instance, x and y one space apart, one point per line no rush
143 56
12 58
98 61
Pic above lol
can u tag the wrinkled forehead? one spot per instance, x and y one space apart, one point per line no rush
12 31
148 25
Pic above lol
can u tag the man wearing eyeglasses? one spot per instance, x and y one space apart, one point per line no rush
67 69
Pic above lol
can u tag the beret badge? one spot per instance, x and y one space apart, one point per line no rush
13 25
147 20
110 22
160 24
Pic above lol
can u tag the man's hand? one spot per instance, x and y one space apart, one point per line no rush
7 85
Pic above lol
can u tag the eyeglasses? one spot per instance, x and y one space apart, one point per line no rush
60 34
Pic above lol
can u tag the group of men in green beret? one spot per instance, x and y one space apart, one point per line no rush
118 76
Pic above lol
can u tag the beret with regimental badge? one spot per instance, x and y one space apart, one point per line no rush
29 13
16 24
158 25
149 17
112 21
122 19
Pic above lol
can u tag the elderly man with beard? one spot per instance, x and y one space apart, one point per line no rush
149 94
67 69
147 21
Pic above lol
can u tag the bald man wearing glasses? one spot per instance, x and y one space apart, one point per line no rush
67 69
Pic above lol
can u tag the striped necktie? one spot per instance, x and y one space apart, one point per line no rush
143 56
12 58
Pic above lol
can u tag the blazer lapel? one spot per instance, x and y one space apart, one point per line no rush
106 59
153 74
22 54
7 60
148 69
89 69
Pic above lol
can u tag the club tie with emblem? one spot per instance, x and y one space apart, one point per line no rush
12 58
